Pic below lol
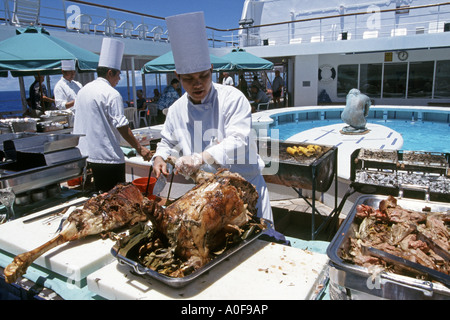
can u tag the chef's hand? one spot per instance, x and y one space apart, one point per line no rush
188 165
159 166
145 153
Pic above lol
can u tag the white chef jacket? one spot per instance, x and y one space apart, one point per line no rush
99 112
65 91
228 81
226 115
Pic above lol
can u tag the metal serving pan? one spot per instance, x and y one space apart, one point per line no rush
349 281
34 178
181 282
43 143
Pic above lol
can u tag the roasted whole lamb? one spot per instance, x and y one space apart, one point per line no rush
420 237
200 221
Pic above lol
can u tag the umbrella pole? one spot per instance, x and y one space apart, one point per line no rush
41 92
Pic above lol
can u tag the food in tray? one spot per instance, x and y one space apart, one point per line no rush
215 215
123 205
381 155
308 151
422 237
418 158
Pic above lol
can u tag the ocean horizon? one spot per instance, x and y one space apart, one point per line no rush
10 100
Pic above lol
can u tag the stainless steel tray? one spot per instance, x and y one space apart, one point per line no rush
30 179
356 282
43 143
150 274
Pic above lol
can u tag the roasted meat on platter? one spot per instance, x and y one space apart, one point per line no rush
420 237
201 221
194 225
123 205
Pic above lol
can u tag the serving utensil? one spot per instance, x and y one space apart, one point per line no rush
415 267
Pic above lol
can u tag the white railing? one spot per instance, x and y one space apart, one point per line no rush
370 23
84 17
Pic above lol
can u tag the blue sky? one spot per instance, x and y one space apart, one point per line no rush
221 14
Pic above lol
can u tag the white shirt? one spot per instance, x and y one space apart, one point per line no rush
99 112
225 114
228 81
65 91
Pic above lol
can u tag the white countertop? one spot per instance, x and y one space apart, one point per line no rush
261 270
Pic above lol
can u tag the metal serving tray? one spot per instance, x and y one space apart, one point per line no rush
34 178
43 143
181 282
349 281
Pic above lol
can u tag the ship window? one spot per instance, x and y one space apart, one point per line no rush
442 84
420 83
370 80
394 85
347 79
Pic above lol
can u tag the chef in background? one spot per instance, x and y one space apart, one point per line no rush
100 118
66 89
211 123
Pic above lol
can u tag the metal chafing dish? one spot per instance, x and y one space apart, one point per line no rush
16 125
43 143
11 136
349 281
413 174
32 162
130 259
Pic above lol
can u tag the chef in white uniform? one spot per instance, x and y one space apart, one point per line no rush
66 89
211 123
100 117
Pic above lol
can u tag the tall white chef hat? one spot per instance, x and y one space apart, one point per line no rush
111 53
189 42
68 65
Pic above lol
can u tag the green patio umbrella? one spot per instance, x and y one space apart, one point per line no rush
165 64
242 60
32 50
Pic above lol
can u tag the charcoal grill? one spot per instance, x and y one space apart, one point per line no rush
315 173
411 174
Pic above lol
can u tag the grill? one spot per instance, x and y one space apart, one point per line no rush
411 174
315 172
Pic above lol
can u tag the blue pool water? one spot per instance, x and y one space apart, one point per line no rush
419 136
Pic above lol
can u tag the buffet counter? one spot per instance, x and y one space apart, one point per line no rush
86 269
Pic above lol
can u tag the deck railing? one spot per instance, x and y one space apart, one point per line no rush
372 22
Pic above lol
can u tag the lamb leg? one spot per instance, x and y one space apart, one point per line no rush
123 205
21 262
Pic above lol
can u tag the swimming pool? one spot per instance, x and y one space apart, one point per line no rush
417 135
422 128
